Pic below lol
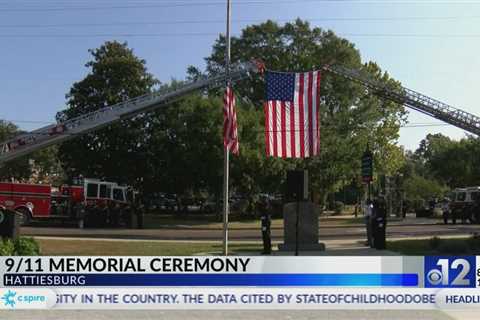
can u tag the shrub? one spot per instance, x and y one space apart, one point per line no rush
26 247
20 247
7 248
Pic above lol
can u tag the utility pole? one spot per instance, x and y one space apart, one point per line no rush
226 151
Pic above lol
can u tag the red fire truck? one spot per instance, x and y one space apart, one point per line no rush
89 201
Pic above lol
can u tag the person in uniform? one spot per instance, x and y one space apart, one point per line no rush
266 224
379 223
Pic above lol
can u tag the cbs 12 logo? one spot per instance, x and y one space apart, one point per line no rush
449 272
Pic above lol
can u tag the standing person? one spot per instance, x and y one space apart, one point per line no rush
445 210
139 210
357 204
379 219
266 226
368 211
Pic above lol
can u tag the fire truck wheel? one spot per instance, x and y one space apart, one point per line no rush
25 217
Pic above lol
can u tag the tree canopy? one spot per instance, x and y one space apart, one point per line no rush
455 163
351 117
40 167
116 152
19 169
179 148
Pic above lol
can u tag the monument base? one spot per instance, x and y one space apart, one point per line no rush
307 214
302 247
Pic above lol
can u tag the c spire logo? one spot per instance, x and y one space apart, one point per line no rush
9 298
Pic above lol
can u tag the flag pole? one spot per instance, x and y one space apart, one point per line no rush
226 151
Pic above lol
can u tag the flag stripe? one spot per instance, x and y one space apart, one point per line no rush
310 114
283 131
230 130
274 122
301 126
314 113
266 110
271 127
305 112
279 128
292 114
288 136
296 123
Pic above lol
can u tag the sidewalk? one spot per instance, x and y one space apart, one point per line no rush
344 221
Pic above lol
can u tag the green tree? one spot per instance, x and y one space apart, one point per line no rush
184 145
351 116
46 167
118 151
39 167
18 169
455 163
418 183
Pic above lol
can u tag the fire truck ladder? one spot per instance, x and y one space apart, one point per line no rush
53 134
412 100
60 132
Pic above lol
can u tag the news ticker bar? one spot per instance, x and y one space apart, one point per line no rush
421 272
238 298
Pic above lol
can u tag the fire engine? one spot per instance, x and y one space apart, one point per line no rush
88 201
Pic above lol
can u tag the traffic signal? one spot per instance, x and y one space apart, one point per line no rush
367 167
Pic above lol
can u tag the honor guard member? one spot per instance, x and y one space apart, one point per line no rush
266 223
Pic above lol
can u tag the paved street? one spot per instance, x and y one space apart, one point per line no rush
409 228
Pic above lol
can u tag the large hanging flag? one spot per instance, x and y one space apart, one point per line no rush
292 127
230 134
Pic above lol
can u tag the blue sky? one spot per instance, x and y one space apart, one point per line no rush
430 46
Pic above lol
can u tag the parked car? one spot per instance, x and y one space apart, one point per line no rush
162 201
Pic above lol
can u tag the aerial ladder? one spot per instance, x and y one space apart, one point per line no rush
27 143
411 99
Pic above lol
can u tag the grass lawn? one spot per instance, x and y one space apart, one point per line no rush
411 247
50 247
446 246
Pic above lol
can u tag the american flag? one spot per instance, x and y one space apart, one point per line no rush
292 127
230 134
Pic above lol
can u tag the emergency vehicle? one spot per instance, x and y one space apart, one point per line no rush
80 201
465 204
